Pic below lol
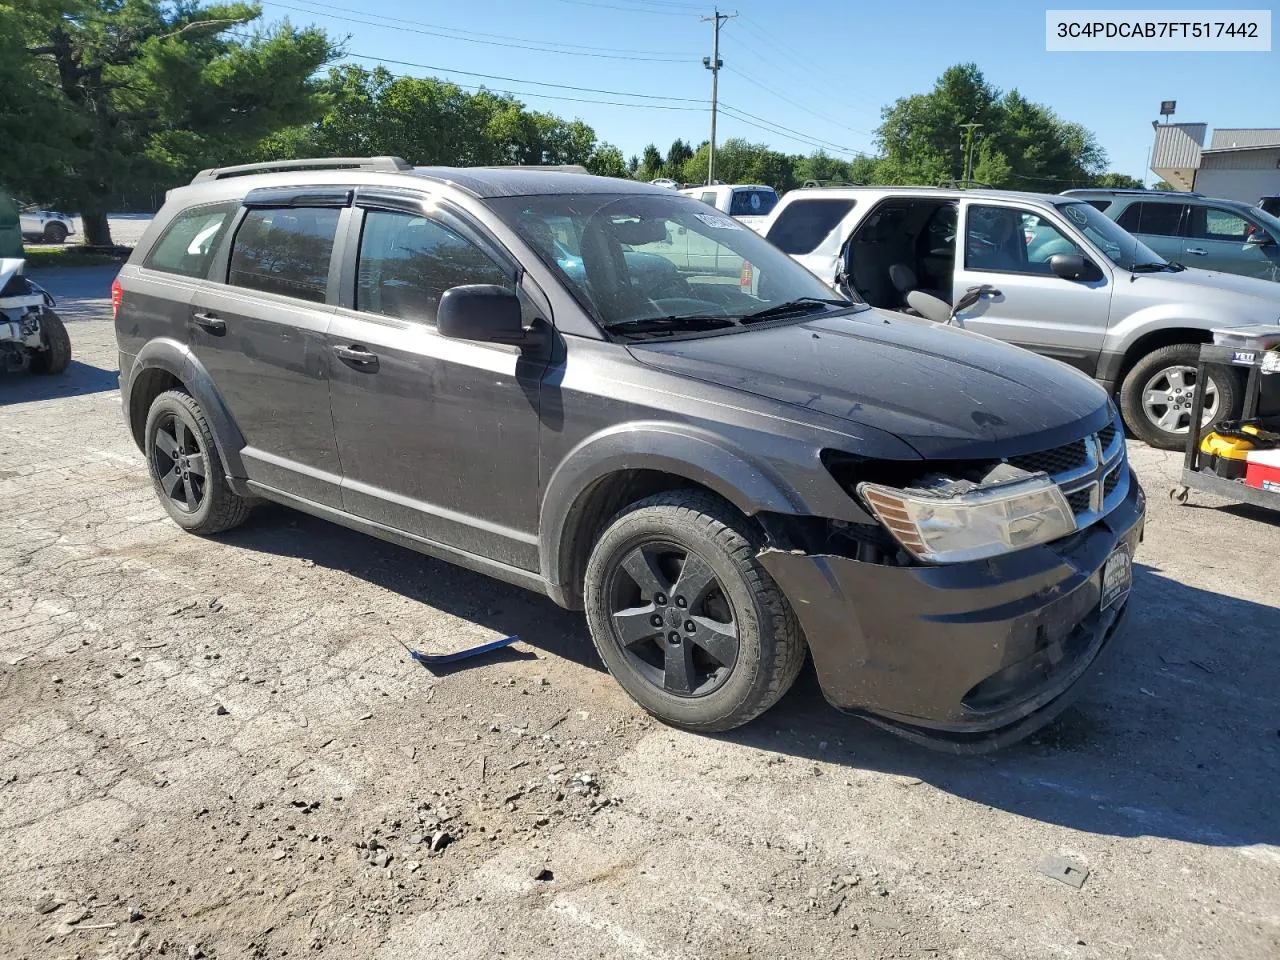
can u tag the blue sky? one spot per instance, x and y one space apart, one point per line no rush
799 74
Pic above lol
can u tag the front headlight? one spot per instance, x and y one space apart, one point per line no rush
979 523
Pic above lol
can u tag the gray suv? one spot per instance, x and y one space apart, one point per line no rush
1195 230
723 464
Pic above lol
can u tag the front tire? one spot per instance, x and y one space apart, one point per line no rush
55 233
55 357
185 468
1156 395
685 617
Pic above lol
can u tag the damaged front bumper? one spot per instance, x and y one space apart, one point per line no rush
965 657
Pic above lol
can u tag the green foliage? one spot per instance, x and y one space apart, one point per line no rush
1117 181
1163 185
112 96
1020 145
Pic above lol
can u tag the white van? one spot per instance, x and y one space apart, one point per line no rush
749 203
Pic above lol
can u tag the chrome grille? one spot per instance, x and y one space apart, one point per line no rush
1092 473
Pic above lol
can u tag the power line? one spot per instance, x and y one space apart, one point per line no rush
475 33
536 83
796 103
524 93
801 66
612 6
489 43
777 128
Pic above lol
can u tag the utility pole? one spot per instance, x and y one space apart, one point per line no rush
968 149
714 63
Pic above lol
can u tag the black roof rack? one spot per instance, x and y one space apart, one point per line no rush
379 164
1131 190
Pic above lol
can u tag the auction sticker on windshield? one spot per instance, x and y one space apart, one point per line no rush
1117 577
720 223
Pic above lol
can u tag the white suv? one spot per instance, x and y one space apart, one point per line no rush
46 226
1049 273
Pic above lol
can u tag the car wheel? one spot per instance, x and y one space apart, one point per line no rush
685 617
55 232
186 471
1156 395
56 354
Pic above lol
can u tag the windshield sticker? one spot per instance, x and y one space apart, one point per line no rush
719 223
1077 215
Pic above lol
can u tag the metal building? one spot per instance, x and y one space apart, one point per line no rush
1239 163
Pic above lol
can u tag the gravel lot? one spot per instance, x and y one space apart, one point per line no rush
219 748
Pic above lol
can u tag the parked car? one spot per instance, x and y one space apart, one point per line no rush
464 362
666 183
47 226
1195 230
749 203
1049 273
10 228
32 336
1270 204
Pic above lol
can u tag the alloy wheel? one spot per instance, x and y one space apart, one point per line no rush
1167 398
179 463
672 619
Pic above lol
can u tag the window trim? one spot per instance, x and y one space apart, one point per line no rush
449 216
1077 237
233 216
336 253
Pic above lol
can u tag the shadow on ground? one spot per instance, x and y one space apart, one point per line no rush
79 378
489 603
1179 739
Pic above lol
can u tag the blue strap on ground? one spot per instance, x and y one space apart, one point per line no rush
436 659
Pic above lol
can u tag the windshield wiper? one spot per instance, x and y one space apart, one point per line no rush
1156 267
671 323
798 305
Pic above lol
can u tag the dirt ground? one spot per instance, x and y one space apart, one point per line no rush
220 748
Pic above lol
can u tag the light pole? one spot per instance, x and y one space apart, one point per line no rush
714 63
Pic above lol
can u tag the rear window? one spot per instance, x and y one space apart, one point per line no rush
190 240
803 224
752 203
285 251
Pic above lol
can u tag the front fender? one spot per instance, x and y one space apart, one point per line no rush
685 451
176 358
1165 316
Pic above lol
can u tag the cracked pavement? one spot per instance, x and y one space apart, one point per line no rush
221 748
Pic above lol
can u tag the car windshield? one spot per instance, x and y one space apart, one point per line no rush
646 263
1118 245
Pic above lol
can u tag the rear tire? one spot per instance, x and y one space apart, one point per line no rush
180 448
1158 388
727 608
56 355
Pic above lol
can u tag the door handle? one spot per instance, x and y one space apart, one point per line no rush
210 322
357 356
1197 251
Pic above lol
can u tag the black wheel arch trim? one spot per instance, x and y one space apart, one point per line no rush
683 451
177 359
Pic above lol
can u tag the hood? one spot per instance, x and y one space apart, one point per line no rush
1255 299
946 392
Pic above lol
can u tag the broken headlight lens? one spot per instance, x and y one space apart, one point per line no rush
940 526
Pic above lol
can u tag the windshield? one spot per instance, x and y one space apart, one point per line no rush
1119 246
634 258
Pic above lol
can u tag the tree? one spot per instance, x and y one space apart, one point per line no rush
650 163
129 94
677 156
1163 185
1117 181
1018 143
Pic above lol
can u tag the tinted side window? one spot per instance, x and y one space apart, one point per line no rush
1158 219
802 225
752 203
189 241
285 251
1099 205
407 262
709 198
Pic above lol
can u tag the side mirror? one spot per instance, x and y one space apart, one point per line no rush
1072 266
482 311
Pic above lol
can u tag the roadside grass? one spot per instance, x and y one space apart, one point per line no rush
73 255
